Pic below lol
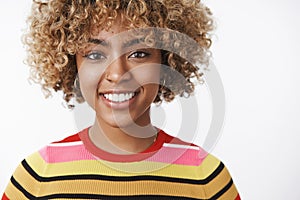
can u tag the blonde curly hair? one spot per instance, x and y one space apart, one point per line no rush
58 29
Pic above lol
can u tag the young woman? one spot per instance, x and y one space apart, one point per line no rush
117 56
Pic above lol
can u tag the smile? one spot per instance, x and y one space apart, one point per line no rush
120 97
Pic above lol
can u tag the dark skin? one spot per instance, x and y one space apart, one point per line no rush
121 90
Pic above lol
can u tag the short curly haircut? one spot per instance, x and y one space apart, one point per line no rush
58 29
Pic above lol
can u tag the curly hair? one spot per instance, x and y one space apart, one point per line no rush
58 29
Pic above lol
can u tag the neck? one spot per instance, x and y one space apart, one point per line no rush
122 140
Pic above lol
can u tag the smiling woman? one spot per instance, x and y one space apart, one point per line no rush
100 52
116 84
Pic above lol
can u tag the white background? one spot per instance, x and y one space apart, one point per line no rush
256 50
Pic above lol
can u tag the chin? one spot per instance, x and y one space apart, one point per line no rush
116 122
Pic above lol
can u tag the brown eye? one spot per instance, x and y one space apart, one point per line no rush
139 54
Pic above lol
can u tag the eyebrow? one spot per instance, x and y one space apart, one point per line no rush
99 42
126 44
133 42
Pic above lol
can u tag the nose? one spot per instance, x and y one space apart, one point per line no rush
118 71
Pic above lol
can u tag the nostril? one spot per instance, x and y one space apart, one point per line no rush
116 77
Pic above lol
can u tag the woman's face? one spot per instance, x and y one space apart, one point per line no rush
119 77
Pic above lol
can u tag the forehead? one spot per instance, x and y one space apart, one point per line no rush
120 32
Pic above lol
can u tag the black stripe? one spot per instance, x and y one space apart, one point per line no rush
221 192
105 197
213 175
20 188
217 171
94 196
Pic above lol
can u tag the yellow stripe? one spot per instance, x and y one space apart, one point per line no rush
209 165
13 193
111 188
112 169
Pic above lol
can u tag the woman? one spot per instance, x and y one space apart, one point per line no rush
120 57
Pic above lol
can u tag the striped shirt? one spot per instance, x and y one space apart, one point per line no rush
75 168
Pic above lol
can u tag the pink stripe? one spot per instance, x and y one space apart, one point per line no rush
172 155
179 156
57 154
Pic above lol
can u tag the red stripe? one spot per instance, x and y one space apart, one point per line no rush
238 197
4 197
72 138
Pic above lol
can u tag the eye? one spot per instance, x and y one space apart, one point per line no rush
139 54
94 56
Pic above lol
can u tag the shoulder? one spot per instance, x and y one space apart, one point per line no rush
208 170
208 165
34 169
70 148
36 163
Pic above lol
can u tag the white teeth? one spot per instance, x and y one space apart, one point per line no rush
115 97
119 97
122 97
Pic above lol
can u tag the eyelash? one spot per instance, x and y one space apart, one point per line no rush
137 55
98 56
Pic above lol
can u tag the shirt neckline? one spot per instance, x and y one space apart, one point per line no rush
104 155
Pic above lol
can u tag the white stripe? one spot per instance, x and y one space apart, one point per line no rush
65 144
181 146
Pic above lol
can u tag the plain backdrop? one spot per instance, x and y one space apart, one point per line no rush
256 50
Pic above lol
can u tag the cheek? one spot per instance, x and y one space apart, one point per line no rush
89 77
147 74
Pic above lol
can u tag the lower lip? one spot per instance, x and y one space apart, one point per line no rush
119 105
